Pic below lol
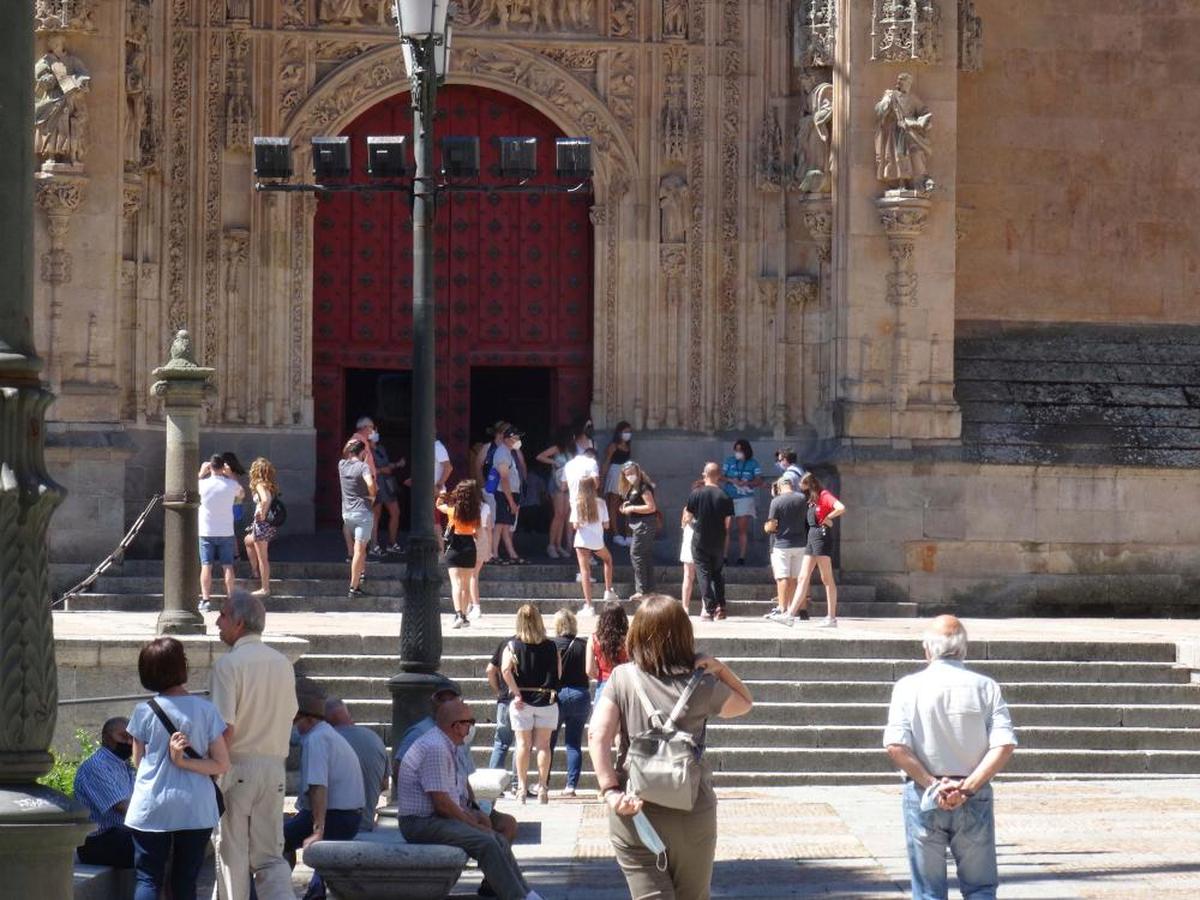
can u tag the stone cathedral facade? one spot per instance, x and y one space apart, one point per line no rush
916 239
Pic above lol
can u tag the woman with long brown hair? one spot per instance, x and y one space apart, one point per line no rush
264 489
663 667
640 510
606 645
823 508
461 507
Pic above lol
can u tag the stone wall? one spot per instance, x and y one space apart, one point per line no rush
1014 540
107 667
1078 164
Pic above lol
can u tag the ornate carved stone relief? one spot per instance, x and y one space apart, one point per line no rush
64 15
622 18
970 37
339 12
906 31
619 88
817 212
769 172
131 199
731 22
61 85
814 32
180 192
293 13
59 197
237 96
528 15
697 177
214 108
237 12
675 16
292 78
800 290
732 128
673 208
904 220
675 116
138 141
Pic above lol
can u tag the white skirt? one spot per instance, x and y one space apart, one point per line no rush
685 549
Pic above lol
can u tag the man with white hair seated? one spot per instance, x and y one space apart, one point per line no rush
372 756
950 732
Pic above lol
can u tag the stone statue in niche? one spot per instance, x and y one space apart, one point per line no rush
810 166
902 139
675 18
135 107
340 12
61 84
672 202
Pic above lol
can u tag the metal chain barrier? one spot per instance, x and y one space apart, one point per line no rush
116 557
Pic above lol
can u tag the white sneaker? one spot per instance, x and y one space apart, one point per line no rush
586 611
579 578
205 606
474 612
611 595
459 620
827 622
775 613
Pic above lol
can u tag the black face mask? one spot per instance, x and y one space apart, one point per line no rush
589 431
122 751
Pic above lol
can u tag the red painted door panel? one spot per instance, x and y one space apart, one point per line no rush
513 279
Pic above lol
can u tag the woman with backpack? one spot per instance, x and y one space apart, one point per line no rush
665 680
264 489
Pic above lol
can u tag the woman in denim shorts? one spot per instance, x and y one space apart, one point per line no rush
358 499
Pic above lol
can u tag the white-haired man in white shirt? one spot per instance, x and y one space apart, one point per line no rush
949 730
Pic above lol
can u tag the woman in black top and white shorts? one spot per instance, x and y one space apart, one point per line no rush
532 669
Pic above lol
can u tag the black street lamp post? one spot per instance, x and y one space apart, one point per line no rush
425 40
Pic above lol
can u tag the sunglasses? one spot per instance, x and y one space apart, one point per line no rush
470 722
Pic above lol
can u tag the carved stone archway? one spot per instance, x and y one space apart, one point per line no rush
532 78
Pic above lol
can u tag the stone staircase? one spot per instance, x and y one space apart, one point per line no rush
321 587
1083 710
1084 394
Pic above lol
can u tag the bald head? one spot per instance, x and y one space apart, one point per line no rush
336 713
455 719
712 472
945 638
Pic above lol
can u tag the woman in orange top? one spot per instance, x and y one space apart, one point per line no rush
461 508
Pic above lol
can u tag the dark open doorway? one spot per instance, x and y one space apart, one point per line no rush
523 396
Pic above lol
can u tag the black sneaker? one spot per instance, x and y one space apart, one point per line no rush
802 615
356 592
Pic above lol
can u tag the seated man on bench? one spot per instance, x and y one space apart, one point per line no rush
434 803
104 783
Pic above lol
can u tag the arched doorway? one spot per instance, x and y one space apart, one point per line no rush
514 288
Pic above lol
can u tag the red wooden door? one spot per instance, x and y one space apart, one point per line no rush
513 280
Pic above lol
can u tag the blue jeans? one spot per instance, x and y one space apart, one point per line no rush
185 850
340 825
970 834
504 738
574 707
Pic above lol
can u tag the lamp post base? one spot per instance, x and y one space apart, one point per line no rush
39 831
179 621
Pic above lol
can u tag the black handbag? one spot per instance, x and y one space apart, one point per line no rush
189 752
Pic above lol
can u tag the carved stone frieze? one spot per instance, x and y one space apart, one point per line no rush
817 212
731 22
528 15
137 143
292 77
214 109
814 33
578 59
59 197
970 37
904 220
733 126
340 51
293 13
620 88
622 18
768 162
131 199
178 179
65 15
800 290
906 31
339 12
697 178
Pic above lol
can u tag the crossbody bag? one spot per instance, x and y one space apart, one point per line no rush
190 753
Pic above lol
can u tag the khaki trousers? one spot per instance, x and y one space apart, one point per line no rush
249 838
691 839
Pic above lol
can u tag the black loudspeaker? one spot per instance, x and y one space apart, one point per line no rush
272 157
573 158
460 157
387 157
518 157
331 157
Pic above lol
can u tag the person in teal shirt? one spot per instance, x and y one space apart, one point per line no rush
742 476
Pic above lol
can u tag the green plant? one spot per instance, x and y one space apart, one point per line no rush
61 776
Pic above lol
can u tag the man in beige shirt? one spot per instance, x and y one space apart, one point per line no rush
254 689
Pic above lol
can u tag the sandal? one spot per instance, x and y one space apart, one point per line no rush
518 561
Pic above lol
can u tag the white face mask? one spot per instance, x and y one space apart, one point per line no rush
470 738
781 465
650 840
631 477
739 455
373 436
626 436
517 444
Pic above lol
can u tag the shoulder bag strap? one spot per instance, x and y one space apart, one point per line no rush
681 704
654 715
170 726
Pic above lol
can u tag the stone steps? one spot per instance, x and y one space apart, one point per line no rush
1102 708
802 669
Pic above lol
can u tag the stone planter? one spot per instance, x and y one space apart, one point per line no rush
380 866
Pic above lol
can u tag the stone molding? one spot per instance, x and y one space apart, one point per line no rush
59 197
908 31
970 37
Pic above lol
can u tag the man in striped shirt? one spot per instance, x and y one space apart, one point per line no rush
104 784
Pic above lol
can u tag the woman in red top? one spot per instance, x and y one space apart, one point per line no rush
606 647
823 508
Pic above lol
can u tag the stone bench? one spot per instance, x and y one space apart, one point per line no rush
380 865
102 883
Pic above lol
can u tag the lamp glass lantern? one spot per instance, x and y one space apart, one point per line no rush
418 19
